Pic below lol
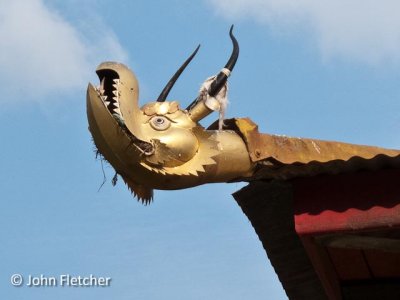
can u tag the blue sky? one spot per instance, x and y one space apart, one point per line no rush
327 71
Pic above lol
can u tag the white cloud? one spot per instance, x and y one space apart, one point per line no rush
367 31
42 53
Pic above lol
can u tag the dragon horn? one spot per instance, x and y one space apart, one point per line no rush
171 82
197 109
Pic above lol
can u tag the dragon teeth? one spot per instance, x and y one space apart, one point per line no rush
115 86
115 93
99 90
117 110
116 103
116 80
107 103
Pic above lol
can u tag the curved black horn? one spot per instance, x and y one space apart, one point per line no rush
219 82
172 81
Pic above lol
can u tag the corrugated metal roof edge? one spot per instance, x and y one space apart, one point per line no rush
265 170
284 158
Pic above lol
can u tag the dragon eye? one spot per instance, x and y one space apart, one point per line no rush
160 123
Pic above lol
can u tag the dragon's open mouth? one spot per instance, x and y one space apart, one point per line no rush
108 92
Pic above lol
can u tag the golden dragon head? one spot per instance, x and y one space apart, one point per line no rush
160 145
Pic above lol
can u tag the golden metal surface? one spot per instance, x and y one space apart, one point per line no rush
282 157
289 150
161 146
158 146
199 112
